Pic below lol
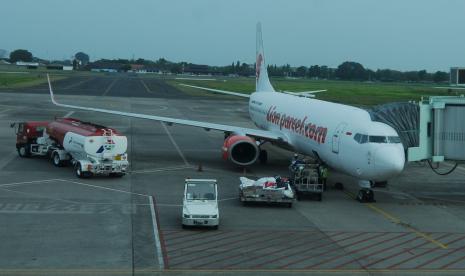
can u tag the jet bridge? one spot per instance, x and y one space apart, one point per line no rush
432 129
441 130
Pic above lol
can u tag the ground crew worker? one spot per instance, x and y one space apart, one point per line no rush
296 161
324 176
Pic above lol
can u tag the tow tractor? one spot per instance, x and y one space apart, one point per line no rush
305 180
200 204
266 190
92 149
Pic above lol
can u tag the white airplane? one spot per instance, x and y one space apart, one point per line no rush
341 136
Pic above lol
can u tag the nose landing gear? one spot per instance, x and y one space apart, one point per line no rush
365 194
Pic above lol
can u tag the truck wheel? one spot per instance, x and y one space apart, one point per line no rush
80 173
24 151
117 174
78 170
56 160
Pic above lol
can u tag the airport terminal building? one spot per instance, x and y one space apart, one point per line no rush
457 76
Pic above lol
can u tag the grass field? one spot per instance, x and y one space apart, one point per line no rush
21 80
354 93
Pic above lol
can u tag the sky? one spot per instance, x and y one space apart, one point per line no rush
394 34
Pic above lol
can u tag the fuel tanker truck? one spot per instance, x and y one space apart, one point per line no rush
92 149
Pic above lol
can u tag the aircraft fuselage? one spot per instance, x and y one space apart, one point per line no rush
342 136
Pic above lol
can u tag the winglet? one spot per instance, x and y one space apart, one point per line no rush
51 90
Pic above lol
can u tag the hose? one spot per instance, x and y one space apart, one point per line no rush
439 173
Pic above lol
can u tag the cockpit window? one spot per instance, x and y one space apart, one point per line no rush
394 139
363 138
378 139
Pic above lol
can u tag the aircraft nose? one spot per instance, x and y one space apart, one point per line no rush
389 161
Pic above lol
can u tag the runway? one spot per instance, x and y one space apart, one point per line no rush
56 224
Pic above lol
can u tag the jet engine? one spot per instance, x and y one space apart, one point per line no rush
241 150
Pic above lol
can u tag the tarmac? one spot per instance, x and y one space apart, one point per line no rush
53 223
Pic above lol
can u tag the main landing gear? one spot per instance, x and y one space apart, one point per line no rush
365 194
263 156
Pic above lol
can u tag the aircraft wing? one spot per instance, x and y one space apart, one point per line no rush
218 91
262 134
308 94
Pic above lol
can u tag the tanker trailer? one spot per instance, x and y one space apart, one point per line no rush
92 149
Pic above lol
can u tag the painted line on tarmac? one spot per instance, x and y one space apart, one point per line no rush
175 144
103 188
156 235
109 87
162 169
28 182
68 114
39 196
78 83
146 87
398 221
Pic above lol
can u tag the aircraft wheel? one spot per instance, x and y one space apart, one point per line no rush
366 195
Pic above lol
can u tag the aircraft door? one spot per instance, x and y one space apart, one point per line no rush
337 137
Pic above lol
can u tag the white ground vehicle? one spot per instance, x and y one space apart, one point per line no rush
200 205
90 148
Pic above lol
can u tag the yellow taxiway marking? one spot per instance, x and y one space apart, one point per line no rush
399 222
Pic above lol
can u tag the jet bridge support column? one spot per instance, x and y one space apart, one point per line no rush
438 129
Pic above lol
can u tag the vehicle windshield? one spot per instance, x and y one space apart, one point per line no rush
201 191
363 138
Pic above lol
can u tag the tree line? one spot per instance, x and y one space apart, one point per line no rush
349 70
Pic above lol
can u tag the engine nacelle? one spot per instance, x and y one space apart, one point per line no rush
241 150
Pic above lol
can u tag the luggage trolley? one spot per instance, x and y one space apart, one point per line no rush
305 180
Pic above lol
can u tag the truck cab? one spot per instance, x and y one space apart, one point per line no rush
27 134
200 204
